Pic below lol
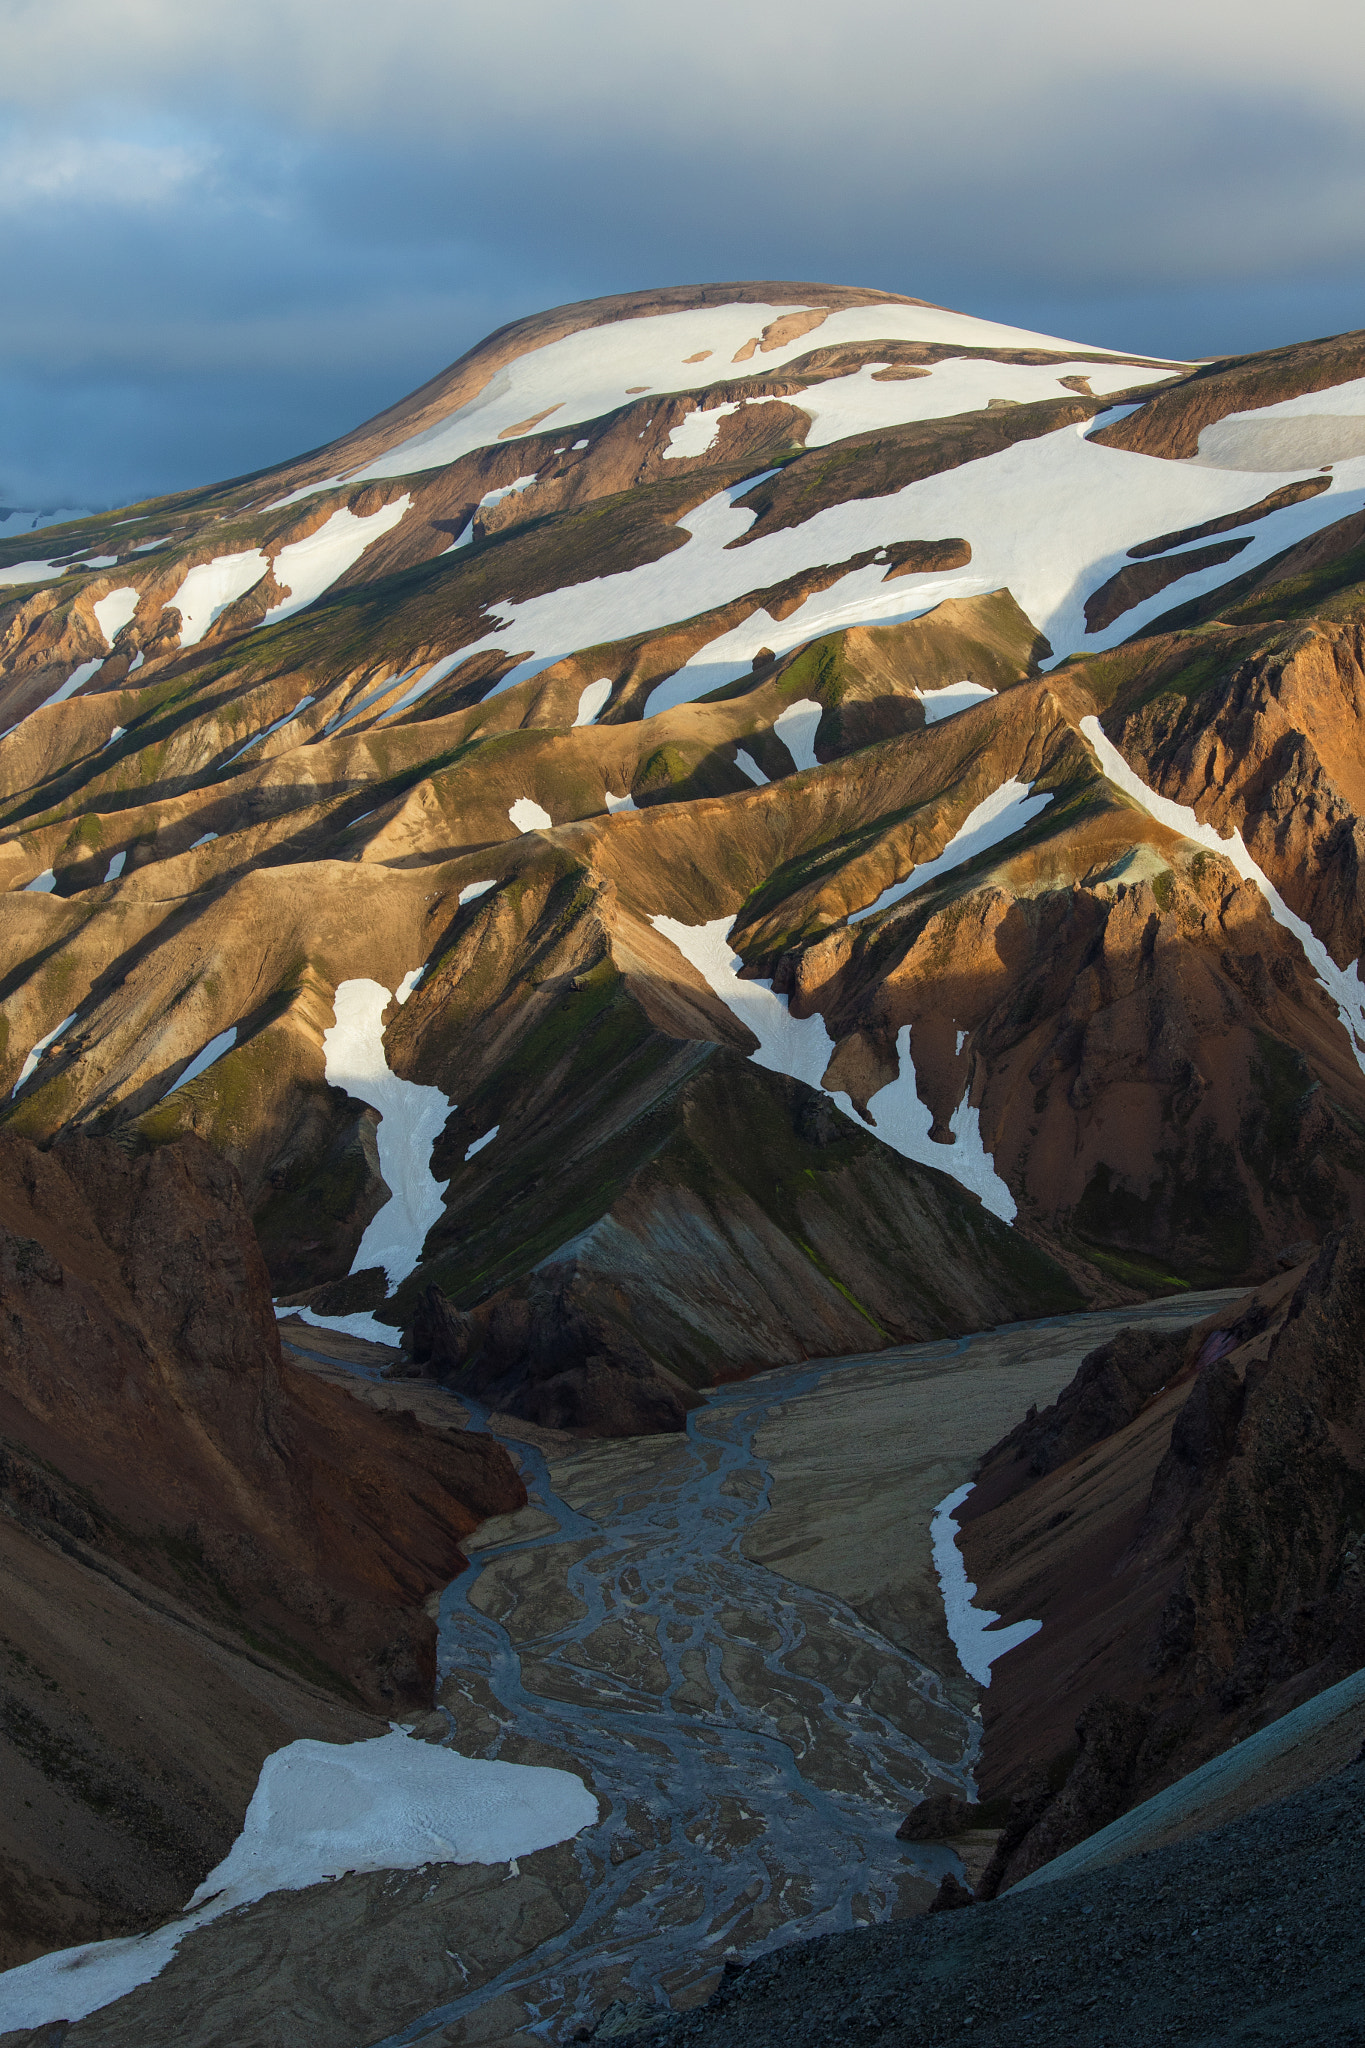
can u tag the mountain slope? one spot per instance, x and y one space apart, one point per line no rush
768 672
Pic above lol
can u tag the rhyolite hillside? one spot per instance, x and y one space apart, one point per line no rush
832 821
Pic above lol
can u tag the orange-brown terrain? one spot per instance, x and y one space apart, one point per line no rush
737 825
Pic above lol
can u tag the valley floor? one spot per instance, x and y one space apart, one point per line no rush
735 1637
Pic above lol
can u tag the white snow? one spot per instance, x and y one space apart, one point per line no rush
495 497
620 803
593 701
116 734
39 1049
308 567
1300 433
1092 502
699 432
859 403
207 840
583 375
577 445
115 867
528 816
361 704
32 572
411 1119
98 562
210 587
479 1143
803 1048
1342 984
257 737
473 889
202 1061
428 680
977 1643
113 612
952 698
996 818
796 728
961 1041
319 1809
747 765
462 538
41 885
77 680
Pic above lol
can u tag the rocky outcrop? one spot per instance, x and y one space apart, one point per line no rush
1197 1566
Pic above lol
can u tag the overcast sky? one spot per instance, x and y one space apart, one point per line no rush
230 229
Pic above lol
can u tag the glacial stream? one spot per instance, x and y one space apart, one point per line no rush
749 1740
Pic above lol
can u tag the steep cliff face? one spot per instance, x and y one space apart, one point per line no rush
1188 1521
204 1551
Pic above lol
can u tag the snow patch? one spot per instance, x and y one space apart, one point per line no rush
308 567
207 840
796 728
528 816
479 1143
202 1061
32 572
620 803
748 766
41 885
593 701
39 1049
976 1642
258 737
996 818
473 889
113 612
952 698
321 1808
77 680
116 734
803 1048
1342 984
412 1117
115 867
210 587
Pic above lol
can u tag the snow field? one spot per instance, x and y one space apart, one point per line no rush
796 727
747 765
113 612
473 889
803 1048
593 701
33 1057
320 1809
1342 984
411 1119
996 818
585 375
308 567
202 1061
977 1643
210 587
620 803
1093 502
952 698
115 867
479 1143
528 816
77 680
41 885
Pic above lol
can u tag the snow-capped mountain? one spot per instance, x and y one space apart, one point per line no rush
734 823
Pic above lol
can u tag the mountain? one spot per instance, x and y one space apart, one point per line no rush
736 823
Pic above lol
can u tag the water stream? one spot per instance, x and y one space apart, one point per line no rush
753 1745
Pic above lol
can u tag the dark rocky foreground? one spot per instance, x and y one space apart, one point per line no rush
1249 1935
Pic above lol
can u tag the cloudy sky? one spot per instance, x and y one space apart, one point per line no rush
230 231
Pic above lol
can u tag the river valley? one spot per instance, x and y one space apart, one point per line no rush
735 1637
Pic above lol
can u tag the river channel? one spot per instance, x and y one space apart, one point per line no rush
735 1637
